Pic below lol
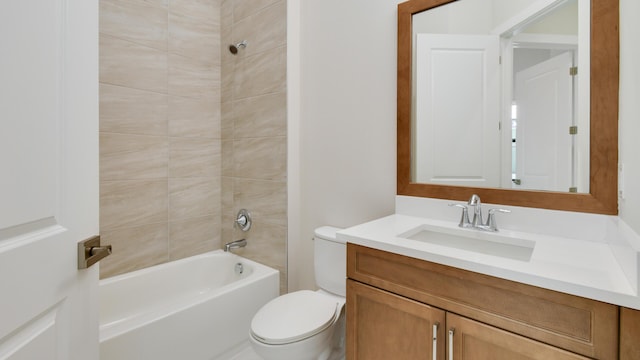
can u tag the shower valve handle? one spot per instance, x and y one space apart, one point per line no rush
243 220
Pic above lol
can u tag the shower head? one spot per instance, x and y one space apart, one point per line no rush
234 48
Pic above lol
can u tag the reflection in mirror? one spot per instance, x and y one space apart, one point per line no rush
467 125
495 102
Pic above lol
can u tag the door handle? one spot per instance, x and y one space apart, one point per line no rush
90 252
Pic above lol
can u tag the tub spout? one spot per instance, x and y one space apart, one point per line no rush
235 244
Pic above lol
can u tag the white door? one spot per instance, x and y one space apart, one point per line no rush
544 97
457 111
48 178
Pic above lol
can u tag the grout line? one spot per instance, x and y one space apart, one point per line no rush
258 11
133 88
256 138
256 179
136 42
271 93
169 137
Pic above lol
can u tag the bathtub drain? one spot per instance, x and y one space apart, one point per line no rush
239 268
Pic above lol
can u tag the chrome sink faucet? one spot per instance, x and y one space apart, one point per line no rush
477 223
474 201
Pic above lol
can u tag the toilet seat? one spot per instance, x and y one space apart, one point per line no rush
293 317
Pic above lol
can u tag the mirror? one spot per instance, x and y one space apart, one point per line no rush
494 98
448 155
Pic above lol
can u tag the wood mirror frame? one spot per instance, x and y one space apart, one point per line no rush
603 168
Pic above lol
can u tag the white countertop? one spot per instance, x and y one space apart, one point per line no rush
588 269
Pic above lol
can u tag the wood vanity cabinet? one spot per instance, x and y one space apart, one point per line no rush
402 308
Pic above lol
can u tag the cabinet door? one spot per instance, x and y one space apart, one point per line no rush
629 334
471 340
382 325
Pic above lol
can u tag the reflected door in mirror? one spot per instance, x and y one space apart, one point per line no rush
544 99
457 133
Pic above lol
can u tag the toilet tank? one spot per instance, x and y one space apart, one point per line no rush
330 261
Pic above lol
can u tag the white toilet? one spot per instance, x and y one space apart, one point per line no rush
307 325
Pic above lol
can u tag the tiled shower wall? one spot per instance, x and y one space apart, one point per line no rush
160 149
167 106
254 128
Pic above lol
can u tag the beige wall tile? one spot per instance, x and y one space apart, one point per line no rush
133 157
227 66
267 244
194 38
163 3
193 197
131 111
214 96
226 123
126 204
227 158
228 212
193 78
261 158
207 10
134 248
260 74
265 30
138 22
194 157
244 8
226 14
190 117
128 64
267 200
193 236
260 116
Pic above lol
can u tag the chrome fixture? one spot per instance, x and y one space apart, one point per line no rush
239 268
233 49
491 221
235 245
243 220
464 219
476 223
474 201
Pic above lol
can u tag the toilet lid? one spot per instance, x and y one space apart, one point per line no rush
293 317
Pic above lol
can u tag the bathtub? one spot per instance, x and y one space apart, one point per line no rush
195 308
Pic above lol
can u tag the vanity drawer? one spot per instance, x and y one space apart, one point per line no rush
570 322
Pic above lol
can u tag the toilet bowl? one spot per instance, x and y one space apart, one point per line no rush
303 325
307 325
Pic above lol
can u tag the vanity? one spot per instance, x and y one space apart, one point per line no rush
528 296
427 307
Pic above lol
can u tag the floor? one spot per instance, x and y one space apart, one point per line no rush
246 353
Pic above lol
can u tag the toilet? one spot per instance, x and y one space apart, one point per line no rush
307 325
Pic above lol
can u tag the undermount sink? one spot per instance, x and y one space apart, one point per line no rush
472 240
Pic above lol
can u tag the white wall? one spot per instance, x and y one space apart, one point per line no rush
344 170
347 120
630 111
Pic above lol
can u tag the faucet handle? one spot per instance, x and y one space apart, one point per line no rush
491 219
464 219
